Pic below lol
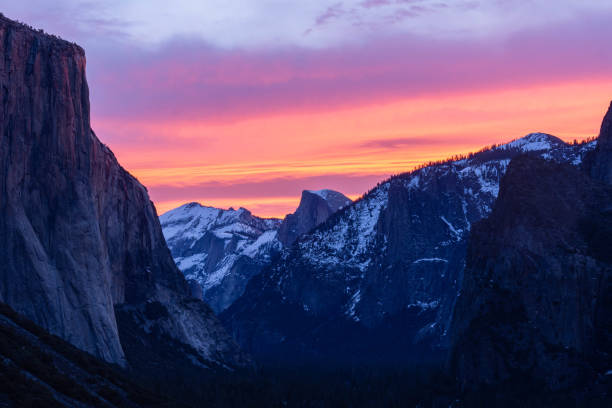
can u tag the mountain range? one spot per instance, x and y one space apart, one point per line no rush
493 270
387 269
221 250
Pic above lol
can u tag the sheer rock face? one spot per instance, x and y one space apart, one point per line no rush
314 209
601 166
536 301
78 234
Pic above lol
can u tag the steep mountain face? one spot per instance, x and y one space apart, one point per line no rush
42 370
222 250
219 249
386 269
315 207
601 165
536 304
79 236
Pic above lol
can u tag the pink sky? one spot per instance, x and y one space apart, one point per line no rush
246 104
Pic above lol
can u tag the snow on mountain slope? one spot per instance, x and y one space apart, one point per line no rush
466 189
209 243
223 249
402 245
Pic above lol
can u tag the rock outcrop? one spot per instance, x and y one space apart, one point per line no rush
79 237
536 303
535 310
314 209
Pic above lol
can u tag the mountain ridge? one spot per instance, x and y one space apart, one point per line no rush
396 254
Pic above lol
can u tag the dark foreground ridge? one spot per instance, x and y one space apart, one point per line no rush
42 370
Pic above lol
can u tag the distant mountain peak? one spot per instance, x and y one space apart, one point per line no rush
222 249
315 208
335 199
534 142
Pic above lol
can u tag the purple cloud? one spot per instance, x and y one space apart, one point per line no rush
349 184
188 79
403 142
331 13
375 3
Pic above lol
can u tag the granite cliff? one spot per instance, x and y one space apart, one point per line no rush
534 311
316 206
79 238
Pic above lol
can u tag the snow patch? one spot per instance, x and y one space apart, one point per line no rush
452 228
429 260
425 305
355 299
532 142
263 240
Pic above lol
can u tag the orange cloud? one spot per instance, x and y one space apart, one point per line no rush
376 139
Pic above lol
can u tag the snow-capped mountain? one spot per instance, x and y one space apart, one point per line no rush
222 250
387 268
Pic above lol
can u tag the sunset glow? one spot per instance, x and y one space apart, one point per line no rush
218 102
254 164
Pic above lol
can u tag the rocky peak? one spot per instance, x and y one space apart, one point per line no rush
314 209
534 142
601 167
192 221
219 249
334 199
222 250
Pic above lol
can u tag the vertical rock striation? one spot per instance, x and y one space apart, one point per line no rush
535 305
79 236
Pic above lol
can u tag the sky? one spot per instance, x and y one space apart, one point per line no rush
249 102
